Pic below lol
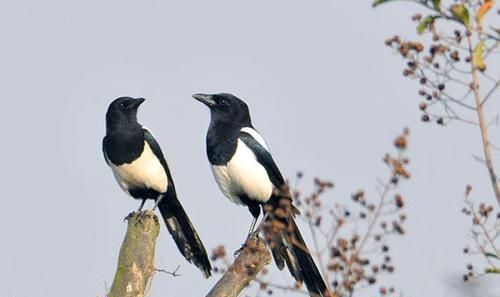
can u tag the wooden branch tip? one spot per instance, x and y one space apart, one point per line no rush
136 262
251 260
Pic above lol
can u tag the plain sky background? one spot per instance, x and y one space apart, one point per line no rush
323 89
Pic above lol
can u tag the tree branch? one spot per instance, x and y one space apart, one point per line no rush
482 124
137 254
245 268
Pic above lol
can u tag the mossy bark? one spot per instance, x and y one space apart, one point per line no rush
136 262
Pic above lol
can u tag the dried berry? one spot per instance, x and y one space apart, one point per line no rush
399 201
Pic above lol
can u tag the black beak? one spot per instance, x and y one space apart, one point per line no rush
134 104
205 99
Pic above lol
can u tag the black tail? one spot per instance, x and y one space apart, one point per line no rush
183 232
288 246
310 273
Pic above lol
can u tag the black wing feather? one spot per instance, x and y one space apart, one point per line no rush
155 147
179 226
264 158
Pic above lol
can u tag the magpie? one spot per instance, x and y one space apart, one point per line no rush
247 174
142 172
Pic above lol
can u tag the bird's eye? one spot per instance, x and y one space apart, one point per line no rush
122 105
224 102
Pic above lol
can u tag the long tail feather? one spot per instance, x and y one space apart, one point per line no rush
310 273
187 240
288 245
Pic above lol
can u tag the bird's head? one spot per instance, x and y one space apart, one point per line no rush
226 108
122 112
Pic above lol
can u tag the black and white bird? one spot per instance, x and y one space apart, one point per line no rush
142 172
247 174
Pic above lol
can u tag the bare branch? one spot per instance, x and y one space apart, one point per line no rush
483 125
245 268
172 273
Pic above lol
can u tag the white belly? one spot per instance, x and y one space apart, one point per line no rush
243 175
145 172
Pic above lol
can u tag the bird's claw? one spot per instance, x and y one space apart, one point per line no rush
128 216
251 236
238 251
141 215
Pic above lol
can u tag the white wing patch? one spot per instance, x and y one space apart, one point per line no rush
243 175
144 172
256 136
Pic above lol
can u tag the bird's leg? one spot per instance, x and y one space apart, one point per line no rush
142 205
158 201
254 209
257 231
249 236
140 214
252 226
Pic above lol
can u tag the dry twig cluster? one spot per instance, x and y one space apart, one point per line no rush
350 241
455 68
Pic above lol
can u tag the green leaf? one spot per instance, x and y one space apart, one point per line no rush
437 4
378 2
491 255
461 13
493 270
478 57
425 23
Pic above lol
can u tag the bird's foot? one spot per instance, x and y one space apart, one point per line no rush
251 236
238 251
141 215
130 215
138 214
254 234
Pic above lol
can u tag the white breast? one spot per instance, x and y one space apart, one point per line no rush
243 175
145 172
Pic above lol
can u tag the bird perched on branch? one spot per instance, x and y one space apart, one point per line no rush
142 172
247 174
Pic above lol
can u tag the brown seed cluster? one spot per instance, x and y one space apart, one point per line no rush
218 253
485 210
219 259
435 66
398 168
349 266
405 48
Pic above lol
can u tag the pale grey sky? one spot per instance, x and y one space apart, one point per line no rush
322 88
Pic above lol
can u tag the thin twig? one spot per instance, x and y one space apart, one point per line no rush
486 234
317 250
174 273
281 287
376 214
490 92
